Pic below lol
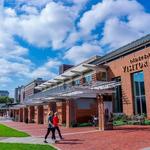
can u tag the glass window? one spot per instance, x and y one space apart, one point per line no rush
139 93
77 82
118 97
88 79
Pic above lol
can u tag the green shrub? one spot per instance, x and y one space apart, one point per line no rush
147 122
119 117
119 123
84 124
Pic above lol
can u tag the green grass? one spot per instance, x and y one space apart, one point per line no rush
14 146
9 132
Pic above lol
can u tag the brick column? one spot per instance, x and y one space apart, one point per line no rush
100 102
147 89
68 113
46 110
61 109
36 114
97 76
82 80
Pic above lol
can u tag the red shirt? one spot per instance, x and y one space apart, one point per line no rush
55 121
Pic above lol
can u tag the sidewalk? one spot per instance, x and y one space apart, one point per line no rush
27 140
121 138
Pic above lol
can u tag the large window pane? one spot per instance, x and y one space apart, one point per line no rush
118 97
139 93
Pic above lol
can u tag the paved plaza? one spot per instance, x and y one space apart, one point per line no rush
89 138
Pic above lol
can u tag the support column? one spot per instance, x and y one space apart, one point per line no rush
68 114
101 124
45 111
61 109
36 114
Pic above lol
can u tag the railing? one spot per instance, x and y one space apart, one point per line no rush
98 85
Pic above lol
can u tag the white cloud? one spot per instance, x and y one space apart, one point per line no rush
47 70
77 54
56 25
140 22
50 28
117 33
4 80
121 24
37 3
105 10
31 10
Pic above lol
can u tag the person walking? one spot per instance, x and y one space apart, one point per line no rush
50 127
55 123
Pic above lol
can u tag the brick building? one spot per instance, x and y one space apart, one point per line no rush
117 82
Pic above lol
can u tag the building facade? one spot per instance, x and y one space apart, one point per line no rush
115 83
4 93
17 97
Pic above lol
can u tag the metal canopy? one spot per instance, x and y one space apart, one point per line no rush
71 92
68 74
17 106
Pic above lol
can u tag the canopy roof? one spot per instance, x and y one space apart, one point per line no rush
74 92
78 70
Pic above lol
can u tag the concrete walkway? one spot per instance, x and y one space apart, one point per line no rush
27 140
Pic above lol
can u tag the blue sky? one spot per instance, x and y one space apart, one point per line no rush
37 36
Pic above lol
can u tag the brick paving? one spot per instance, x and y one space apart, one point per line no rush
121 138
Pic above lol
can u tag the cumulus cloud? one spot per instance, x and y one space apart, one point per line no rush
37 3
105 10
49 28
121 24
77 54
47 70
117 33
30 10
62 25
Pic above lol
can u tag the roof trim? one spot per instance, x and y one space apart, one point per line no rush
122 51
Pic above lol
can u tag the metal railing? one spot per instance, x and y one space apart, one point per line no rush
98 85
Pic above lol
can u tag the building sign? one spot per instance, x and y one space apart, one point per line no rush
137 63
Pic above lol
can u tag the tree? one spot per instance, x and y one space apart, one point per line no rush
6 100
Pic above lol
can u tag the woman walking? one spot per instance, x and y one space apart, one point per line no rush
55 123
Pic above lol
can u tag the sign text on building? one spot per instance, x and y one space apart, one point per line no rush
137 63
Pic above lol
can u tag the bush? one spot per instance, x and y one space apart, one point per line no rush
121 117
85 124
147 122
119 123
